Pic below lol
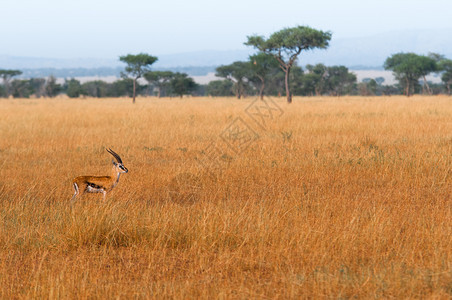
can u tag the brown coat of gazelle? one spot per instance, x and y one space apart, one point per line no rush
99 184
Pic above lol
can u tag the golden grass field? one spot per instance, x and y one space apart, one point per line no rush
334 198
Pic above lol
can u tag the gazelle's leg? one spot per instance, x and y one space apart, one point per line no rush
76 192
104 192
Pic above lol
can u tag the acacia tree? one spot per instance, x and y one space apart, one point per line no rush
160 79
52 88
316 78
219 88
262 66
137 65
428 64
445 65
408 68
237 72
6 76
340 80
285 45
20 88
73 88
181 84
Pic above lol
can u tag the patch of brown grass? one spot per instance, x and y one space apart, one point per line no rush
336 198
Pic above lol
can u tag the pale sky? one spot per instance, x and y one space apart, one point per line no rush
109 28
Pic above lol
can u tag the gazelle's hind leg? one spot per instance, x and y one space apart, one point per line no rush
76 193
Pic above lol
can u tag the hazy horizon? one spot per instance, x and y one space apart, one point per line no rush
237 49
107 29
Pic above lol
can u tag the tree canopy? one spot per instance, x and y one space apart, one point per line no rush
408 68
238 72
445 65
137 65
181 84
160 79
316 78
285 45
6 76
262 66
340 79
219 88
52 88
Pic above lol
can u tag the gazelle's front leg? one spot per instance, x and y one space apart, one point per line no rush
104 192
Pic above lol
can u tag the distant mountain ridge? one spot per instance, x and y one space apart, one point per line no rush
373 50
356 53
165 61
104 71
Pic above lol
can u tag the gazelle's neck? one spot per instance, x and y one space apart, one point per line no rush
114 176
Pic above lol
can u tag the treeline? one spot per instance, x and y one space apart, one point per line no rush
261 75
161 83
239 80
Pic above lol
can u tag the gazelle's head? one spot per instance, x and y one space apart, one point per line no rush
118 163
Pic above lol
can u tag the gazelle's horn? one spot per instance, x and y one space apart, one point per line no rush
115 155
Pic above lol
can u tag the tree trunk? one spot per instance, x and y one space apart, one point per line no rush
407 89
288 94
6 85
448 89
261 90
134 87
428 87
159 92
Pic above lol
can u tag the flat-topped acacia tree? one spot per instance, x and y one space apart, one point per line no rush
6 76
160 79
445 66
237 72
137 65
408 68
262 66
181 84
285 45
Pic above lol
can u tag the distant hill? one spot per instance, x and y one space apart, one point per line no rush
372 51
202 58
356 53
165 61
20 62
104 71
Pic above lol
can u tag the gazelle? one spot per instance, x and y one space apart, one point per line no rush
99 184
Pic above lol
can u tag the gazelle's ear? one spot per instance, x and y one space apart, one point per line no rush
113 162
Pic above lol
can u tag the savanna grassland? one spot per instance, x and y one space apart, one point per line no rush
329 198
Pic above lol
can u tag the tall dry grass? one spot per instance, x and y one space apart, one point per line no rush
336 198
